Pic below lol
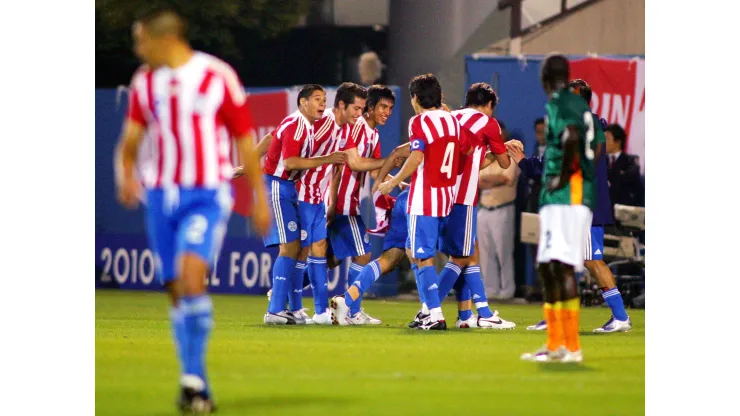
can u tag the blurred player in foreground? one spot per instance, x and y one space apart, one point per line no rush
185 96
594 260
566 204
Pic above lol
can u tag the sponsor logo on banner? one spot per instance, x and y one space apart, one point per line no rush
618 95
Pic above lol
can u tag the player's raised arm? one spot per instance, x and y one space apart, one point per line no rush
412 163
400 152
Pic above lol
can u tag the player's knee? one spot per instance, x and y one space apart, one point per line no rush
291 249
193 269
362 260
303 254
318 249
429 261
461 262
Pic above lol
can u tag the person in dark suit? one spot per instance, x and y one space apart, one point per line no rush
623 171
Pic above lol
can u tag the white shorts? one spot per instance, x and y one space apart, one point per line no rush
563 233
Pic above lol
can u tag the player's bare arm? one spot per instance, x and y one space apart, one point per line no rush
400 152
127 151
261 150
362 164
253 170
571 142
303 163
333 191
412 163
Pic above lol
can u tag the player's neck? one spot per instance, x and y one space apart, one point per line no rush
179 56
310 119
426 110
370 121
338 116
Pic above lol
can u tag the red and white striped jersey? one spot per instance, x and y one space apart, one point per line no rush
293 137
367 142
183 109
313 185
488 133
438 134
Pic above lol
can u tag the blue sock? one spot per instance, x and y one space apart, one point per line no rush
613 298
475 283
317 270
462 294
181 339
198 316
430 285
296 293
419 286
282 272
367 277
447 279
354 274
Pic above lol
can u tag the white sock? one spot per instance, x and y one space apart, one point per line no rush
424 309
436 314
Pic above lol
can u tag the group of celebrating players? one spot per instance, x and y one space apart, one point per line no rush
307 194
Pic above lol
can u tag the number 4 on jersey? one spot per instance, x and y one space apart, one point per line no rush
448 159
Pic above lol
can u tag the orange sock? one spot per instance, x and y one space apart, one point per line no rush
555 336
571 317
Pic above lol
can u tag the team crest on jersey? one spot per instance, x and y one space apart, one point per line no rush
304 235
292 226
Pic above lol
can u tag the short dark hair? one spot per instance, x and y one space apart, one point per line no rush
618 132
539 121
480 94
347 92
427 90
162 20
555 70
582 88
307 90
376 93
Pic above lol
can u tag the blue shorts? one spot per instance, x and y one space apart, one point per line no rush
424 235
313 222
186 221
283 200
595 244
348 237
458 237
398 231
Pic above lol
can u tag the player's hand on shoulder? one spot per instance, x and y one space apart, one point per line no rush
238 171
129 192
338 158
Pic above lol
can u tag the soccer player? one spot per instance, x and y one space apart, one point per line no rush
288 157
566 204
594 260
346 227
184 97
435 138
458 240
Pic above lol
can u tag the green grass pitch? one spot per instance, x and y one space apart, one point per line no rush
382 370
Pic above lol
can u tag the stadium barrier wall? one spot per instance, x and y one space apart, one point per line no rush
123 259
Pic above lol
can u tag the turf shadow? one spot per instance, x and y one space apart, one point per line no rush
564 367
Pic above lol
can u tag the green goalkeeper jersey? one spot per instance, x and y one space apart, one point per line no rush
568 108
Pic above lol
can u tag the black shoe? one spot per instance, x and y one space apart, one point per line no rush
420 317
433 326
195 402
